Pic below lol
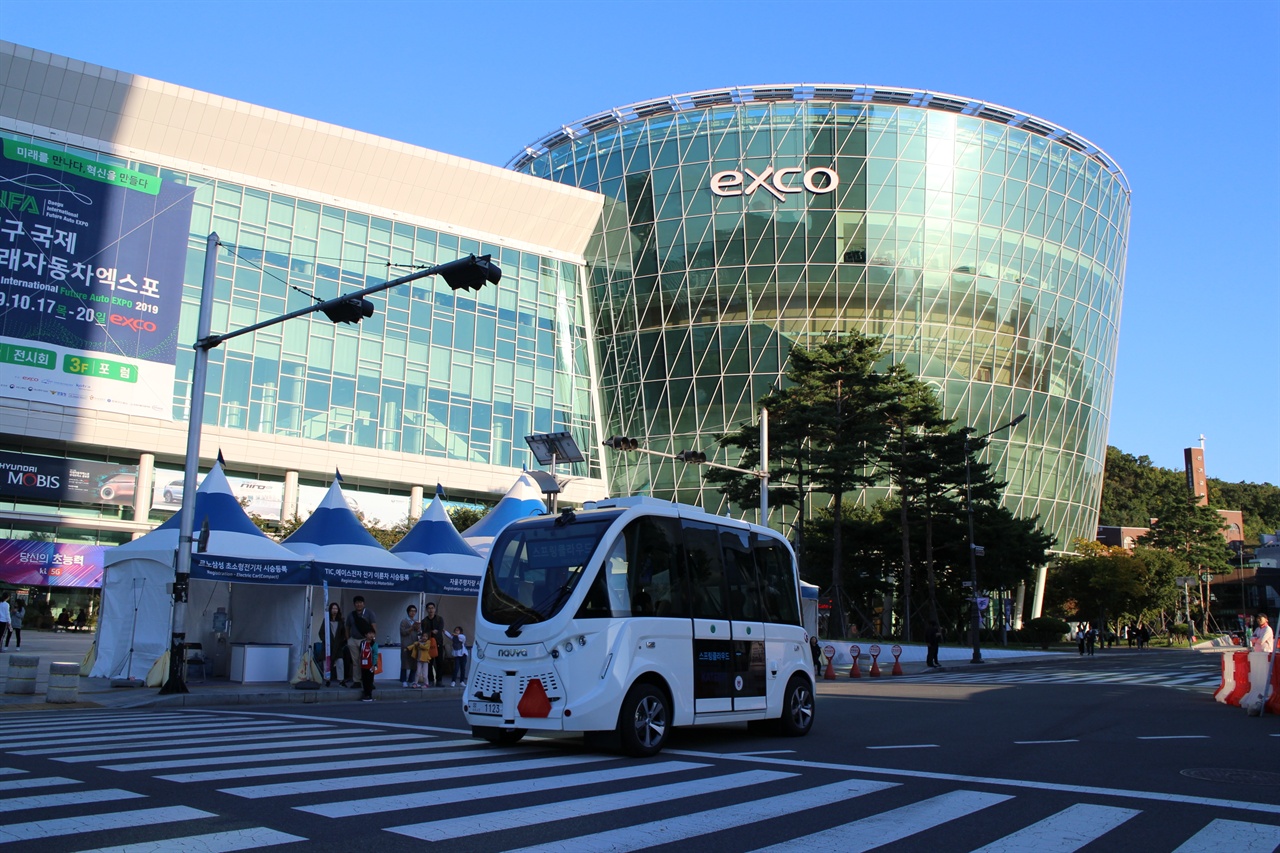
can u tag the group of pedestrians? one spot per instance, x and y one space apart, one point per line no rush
423 645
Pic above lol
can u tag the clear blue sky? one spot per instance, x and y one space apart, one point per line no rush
1181 94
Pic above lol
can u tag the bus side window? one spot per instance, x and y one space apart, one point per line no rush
608 595
777 578
740 571
706 571
656 581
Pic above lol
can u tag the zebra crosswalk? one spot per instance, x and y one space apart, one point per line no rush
227 780
1195 680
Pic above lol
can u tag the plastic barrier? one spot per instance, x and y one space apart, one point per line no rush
830 674
1258 682
897 653
854 652
1273 703
1235 678
875 665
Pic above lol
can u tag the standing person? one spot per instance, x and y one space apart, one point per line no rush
336 628
433 627
409 627
459 641
933 637
1264 639
1080 633
368 662
4 619
422 652
16 612
1090 637
816 652
360 621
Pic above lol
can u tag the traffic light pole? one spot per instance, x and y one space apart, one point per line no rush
470 272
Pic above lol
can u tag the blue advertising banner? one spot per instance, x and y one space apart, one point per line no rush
92 257
215 568
357 577
25 562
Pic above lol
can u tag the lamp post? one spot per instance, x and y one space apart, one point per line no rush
469 273
975 622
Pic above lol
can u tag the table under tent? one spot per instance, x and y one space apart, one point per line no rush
349 562
245 589
454 569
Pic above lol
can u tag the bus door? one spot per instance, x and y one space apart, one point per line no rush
746 621
713 650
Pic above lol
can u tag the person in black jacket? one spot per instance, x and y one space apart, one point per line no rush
338 651
433 627
933 638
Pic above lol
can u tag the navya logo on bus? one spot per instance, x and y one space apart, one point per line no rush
513 653
779 182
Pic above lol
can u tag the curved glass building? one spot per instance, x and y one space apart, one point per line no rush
987 247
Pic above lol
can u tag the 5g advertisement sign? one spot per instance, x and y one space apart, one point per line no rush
91 263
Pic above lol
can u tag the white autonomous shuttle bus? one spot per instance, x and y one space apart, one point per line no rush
635 615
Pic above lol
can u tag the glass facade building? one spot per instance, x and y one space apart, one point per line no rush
986 246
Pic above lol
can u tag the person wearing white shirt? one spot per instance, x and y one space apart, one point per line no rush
4 618
1264 639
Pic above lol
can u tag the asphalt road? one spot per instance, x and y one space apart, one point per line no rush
1048 756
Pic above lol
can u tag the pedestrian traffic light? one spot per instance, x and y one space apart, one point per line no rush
692 457
471 273
621 442
350 310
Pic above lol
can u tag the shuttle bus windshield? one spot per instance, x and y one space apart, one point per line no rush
535 566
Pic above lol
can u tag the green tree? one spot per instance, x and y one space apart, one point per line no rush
465 516
1133 489
1192 533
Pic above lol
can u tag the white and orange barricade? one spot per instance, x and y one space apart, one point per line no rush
1235 678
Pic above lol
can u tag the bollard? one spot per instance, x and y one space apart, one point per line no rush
64 683
897 653
830 674
854 672
875 664
22 675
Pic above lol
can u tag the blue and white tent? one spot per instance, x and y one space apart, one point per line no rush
522 500
350 562
137 607
454 569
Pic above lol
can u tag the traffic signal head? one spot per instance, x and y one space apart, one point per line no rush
472 273
692 457
621 442
350 310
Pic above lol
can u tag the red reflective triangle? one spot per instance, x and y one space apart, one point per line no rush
534 702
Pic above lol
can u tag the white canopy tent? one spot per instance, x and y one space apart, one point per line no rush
258 585
454 570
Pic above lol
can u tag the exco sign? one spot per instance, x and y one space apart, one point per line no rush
780 182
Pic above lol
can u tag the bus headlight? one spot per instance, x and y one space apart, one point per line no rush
479 652
568 645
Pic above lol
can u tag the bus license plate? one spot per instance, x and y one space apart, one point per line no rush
490 708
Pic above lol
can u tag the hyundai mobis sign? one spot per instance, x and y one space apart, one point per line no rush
777 182
52 478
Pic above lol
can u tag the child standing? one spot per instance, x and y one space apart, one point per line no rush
422 652
368 661
459 656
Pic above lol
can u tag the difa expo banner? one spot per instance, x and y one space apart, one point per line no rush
25 562
92 257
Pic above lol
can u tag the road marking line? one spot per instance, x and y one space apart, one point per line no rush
42 782
419 799
714 820
1033 742
213 842
463 827
894 825
258 733
1064 832
98 823
1173 737
130 724
322 750
321 766
907 746
282 742
10 771
1234 835
1268 808
356 783
768 752
346 722
67 798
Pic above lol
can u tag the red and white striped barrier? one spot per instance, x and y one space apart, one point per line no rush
1235 678
1273 704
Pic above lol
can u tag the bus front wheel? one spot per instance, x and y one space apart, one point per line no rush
495 735
643 721
797 708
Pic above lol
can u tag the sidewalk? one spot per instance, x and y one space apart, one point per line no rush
72 647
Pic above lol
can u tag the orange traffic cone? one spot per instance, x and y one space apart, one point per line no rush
831 670
875 667
854 672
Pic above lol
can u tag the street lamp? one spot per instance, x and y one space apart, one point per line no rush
974 622
469 273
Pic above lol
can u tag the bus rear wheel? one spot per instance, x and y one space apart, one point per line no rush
495 735
643 721
797 708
